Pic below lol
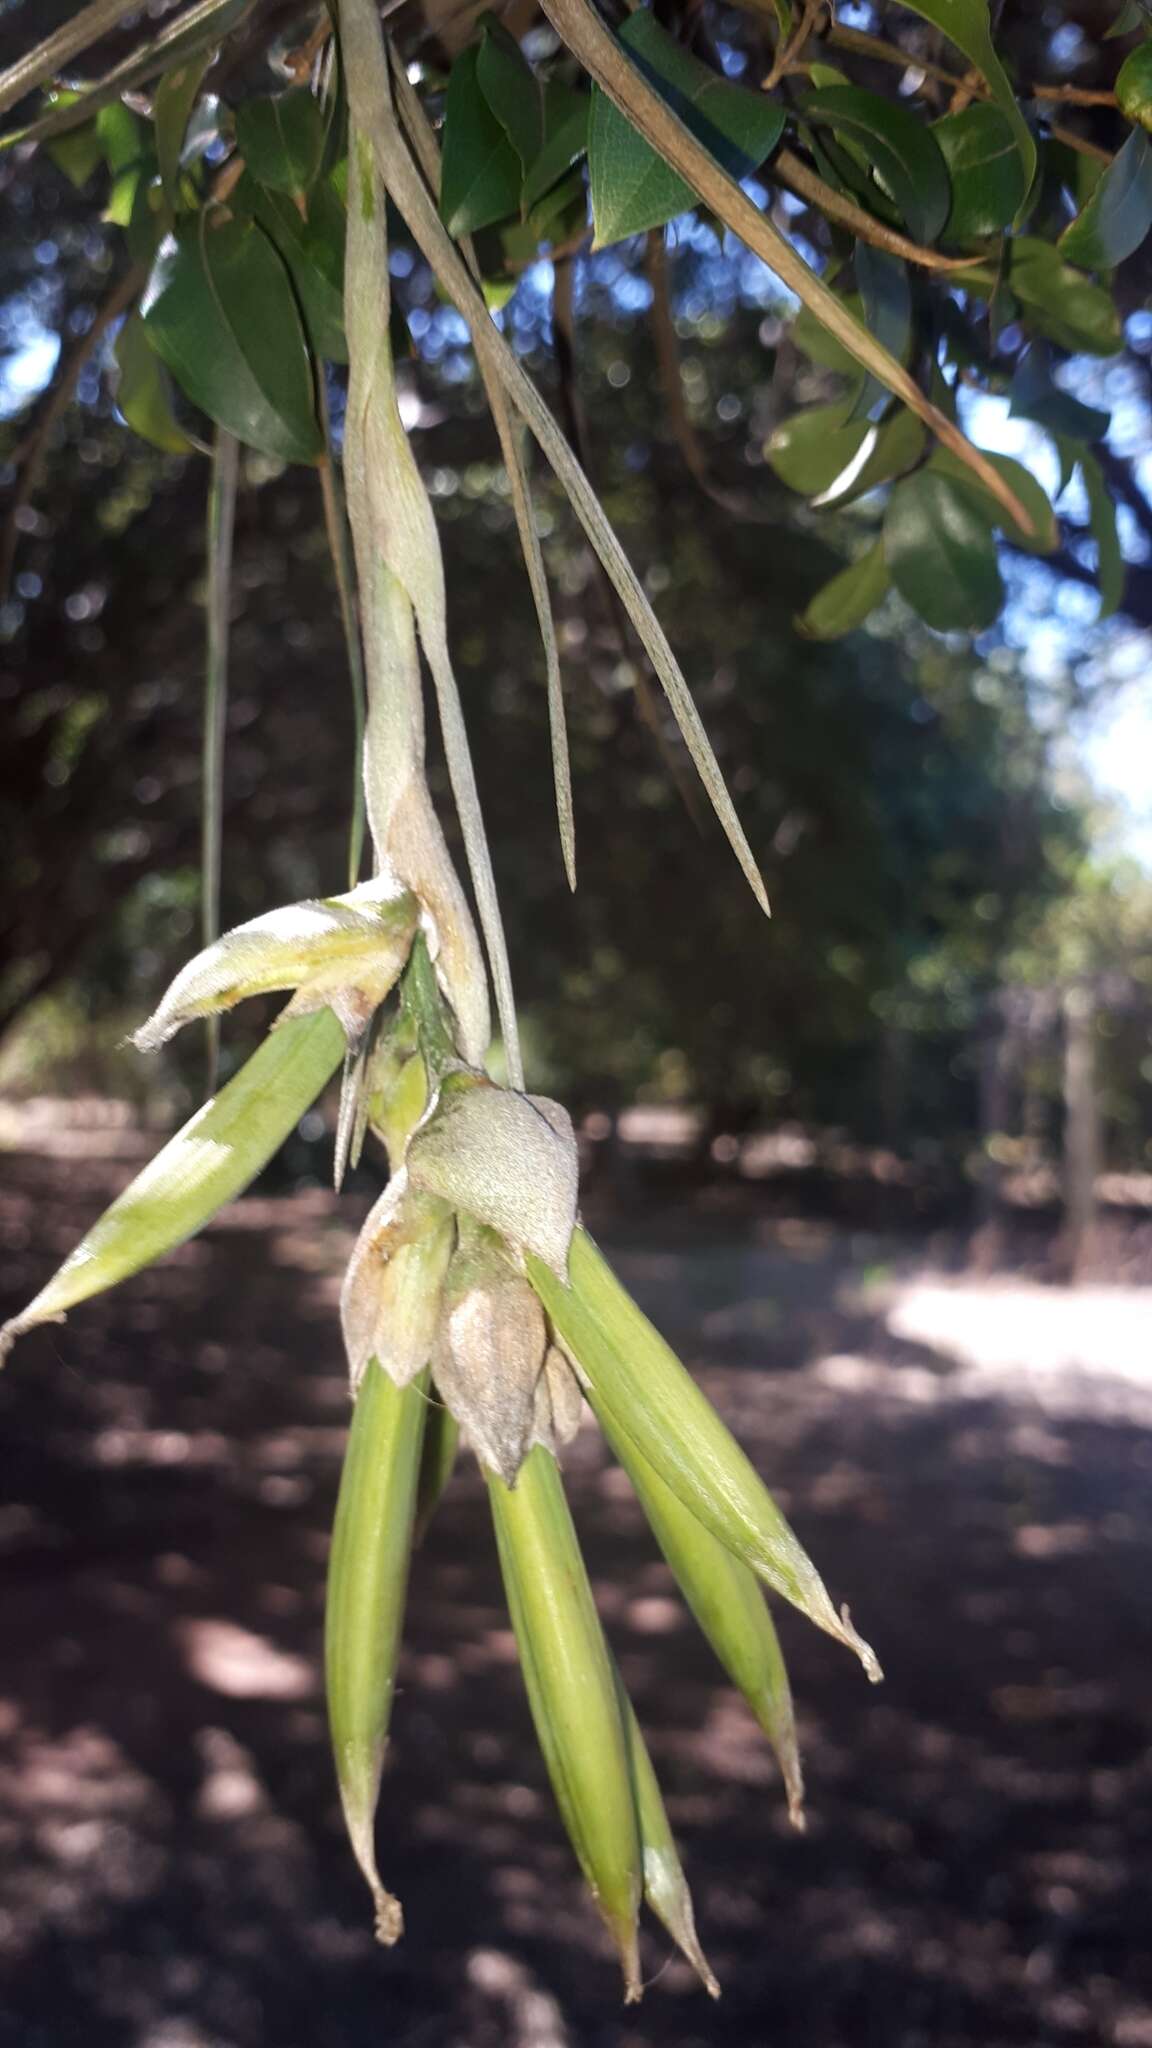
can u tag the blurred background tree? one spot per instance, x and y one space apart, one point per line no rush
920 802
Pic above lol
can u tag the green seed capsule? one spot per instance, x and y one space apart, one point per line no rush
728 1604
640 1383
572 1691
441 1443
209 1162
665 1885
367 1582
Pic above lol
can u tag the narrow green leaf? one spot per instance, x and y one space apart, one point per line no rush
209 1162
511 89
845 602
941 554
364 1614
482 174
633 189
1118 216
1102 523
221 312
172 104
572 1691
904 154
989 182
966 23
728 1604
629 1370
143 393
282 139
566 117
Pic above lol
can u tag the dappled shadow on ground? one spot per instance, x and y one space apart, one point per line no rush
173 1871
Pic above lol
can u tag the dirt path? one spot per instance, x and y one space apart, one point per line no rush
971 1469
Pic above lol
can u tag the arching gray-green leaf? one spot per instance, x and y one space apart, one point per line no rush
941 554
633 189
221 312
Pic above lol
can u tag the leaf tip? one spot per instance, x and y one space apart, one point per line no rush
854 1641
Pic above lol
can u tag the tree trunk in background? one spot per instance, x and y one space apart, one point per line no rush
1081 1128
997 1061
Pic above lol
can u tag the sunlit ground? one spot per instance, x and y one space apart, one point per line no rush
970 1464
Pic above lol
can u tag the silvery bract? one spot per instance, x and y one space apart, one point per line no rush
343 953
507 1159
559 1404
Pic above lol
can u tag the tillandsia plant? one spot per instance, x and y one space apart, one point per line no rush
475 1304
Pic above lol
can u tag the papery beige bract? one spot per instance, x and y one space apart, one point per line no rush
390 1302
490 1353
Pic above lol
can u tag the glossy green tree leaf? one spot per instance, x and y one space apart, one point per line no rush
1034 396
511 89
941 554
633 189
903 153
79 151
312 246
481 178
845 602
967 24
886 297
566 115
888 451
1044 537
1134 86
1105 533
172 104
1119 214
221 312
282 139
143 394
814 447
989 183
1067 306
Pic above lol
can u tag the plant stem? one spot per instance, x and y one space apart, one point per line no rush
221 529
343 569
